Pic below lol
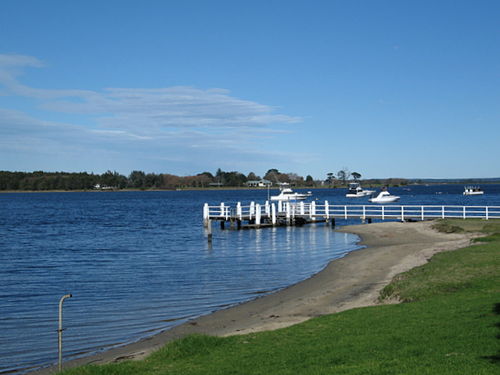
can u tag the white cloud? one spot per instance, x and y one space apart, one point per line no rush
146 112
15 60
163 124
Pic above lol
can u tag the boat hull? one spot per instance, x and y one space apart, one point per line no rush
384 200
288 199
362 194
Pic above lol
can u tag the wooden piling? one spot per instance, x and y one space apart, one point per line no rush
209 230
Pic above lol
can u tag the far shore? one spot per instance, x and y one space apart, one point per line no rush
274 187
350 282
176 189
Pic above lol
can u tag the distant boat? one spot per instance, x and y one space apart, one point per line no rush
473 190
356 191
384 197
287 194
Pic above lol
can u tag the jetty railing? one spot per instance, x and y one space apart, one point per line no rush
288 212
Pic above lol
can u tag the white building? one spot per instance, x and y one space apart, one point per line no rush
259 183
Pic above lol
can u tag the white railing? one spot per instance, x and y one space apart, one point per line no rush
314 211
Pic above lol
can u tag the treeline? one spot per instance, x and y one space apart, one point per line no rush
43 181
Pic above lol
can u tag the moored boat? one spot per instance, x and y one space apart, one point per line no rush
384 197
356 191
473 190
287 194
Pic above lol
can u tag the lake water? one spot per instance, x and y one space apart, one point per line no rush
138 263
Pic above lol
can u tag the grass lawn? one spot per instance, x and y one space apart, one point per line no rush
449 323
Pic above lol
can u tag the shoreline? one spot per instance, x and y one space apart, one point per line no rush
349 282
171 189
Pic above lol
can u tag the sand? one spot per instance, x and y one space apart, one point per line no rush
353 281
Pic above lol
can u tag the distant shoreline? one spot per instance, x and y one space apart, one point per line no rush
240 188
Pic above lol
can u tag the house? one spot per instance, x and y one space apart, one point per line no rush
259 183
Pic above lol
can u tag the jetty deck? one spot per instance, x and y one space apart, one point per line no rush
298 213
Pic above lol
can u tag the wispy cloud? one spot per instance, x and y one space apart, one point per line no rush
145 111
167 122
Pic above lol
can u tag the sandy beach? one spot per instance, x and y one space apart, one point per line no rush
349 282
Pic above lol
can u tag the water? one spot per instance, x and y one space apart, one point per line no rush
138 263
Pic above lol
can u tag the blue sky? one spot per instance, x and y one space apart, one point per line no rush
383 88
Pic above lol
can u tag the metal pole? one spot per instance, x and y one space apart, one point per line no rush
61 328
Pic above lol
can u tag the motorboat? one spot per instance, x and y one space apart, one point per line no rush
287 194
473 190
356 191
384 197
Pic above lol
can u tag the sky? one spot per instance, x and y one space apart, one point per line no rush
403 88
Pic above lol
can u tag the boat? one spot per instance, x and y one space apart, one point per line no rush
287 194
473 190
356 191
384 197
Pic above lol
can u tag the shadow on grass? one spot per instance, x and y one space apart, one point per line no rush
495 358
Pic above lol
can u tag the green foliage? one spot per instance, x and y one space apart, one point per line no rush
39 181
469 225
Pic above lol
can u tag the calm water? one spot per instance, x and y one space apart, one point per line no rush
138 263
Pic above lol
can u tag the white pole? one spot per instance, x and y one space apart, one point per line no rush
238 210
222 209
302 208
60 330
206 214
487 213
442 212
312 213
327 210
257 214
423 215
273 212
383 213
402 213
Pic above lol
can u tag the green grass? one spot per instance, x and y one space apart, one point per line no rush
450 327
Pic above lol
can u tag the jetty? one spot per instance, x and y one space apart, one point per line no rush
255 215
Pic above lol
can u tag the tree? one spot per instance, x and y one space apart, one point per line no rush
276 176
309 180
113 179
330 179
252 177
343 175
219 176
295 178
137 179
356 176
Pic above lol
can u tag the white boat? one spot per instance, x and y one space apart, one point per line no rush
356 191
384 197
287 194
473 190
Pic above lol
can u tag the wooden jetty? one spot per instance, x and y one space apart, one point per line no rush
297 213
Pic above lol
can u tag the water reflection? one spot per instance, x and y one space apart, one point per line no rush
136 264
